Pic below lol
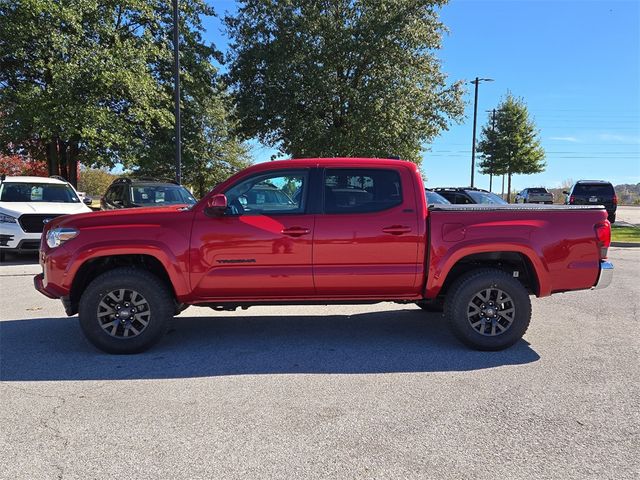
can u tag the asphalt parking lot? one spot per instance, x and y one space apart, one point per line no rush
363 392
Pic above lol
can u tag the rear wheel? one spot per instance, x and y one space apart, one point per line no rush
488 309
125 310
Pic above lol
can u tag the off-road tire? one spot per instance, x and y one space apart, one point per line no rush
158 299
458 310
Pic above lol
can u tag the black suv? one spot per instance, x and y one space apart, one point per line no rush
465 195
128 193
594 192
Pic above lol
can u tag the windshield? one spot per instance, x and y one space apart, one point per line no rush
538 190
434 198
156 195
37 192
486 197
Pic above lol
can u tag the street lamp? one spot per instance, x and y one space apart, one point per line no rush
176 90
476 82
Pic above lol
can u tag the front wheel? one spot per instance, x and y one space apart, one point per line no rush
125 310
488 309
612 218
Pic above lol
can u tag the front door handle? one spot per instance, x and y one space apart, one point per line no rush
296 231
396 229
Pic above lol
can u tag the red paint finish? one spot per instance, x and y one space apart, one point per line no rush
402 253
371 253
251 256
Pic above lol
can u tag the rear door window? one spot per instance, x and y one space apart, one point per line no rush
361 190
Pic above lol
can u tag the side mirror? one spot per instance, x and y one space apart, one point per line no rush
87 201
216 205
565 192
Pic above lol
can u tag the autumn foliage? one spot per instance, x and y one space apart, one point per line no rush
19 165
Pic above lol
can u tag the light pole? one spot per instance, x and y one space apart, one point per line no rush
476 82
176 91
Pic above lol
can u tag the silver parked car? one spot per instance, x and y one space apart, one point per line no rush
534 195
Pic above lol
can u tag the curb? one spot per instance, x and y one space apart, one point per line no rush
625 244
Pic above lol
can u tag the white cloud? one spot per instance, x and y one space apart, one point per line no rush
565 139
612 137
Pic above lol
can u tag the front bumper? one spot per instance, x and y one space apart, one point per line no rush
605 276
13 238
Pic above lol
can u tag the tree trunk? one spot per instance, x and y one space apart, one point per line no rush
490 181
52 157
509 189
72 164
63 155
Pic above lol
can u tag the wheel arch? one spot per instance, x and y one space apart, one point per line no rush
95 266
529 272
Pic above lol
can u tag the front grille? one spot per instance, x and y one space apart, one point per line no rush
5 239
35 223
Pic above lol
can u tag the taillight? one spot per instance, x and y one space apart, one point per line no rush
572 199
603 236
615 199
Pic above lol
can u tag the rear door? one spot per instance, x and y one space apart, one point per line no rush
366 238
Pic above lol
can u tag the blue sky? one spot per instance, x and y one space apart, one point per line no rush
576 64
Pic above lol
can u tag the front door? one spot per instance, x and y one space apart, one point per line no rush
366 239
261 248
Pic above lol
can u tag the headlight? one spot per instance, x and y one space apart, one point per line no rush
57 236
7 218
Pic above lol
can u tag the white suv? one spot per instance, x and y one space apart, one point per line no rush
27 204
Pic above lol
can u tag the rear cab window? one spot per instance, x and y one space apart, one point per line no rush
356 190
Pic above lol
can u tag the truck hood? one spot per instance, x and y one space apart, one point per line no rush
120 217
15 209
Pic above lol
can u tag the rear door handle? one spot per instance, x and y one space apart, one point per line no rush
296 231
396 229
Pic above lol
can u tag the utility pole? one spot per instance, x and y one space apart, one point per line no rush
176 91
476 82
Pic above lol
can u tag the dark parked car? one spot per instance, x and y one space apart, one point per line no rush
534 195
128 193
434 198
466 195
594 192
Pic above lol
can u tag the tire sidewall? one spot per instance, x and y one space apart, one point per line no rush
466 288
149 286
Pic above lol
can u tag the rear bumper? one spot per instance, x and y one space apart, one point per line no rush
605 276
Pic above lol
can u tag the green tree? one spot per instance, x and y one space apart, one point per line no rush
511 145
89 81
95 181
341 78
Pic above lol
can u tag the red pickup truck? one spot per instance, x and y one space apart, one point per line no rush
319 231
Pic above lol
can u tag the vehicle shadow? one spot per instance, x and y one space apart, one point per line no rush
379 342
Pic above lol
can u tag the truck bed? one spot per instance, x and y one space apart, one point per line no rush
535 207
